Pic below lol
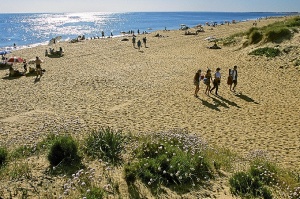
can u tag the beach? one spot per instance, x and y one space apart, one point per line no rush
107 82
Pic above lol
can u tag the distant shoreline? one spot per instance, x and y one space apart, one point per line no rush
28 41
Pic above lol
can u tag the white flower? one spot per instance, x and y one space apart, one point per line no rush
83 184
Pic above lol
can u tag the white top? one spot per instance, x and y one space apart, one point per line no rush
234 74
218 75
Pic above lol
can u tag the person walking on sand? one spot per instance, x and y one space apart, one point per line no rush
133 41
197 79
139 44
217 81
207 79
229 79
234 75
145 41
25 65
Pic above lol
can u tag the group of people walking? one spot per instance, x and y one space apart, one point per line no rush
208 78
139 43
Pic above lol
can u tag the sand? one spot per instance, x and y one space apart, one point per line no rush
107 82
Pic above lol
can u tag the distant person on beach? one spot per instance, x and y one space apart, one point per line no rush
234 75
145 41
139 44
14 73
229 79
133 41
217 81
38 62
102 33
25 65
3 58
207 79
197 79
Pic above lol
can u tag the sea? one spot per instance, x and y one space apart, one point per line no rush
26 30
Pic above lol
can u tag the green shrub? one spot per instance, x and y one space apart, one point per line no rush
277 34
107 144
3 156
293 22
64 150
251 30
268 52
245 185
170 158
264 171
95 193
255 37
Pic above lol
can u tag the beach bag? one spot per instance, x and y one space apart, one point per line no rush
229 80
205 80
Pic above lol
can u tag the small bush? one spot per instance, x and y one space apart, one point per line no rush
172 158
95 193
245 185
268 52
3 156
264 171
64 150
251 30
107 144
277 34
255 37
294 22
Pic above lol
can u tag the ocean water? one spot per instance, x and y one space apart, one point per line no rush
28 30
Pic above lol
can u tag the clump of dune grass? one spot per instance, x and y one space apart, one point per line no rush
64 151
174 158
3 156
275 32
266 51
264 179
105 143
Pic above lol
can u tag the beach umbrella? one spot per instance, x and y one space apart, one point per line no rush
15 60
4 52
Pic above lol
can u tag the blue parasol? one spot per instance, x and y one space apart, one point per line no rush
4 52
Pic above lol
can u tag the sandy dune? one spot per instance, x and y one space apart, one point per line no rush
106 82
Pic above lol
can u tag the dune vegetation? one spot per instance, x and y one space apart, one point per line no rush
175 160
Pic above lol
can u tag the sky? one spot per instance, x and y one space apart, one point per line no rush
38 6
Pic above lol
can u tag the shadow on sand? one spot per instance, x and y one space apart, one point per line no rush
228 102
246 98
11 78
209 105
